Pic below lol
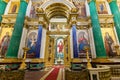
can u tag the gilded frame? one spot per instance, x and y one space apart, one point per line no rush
14 7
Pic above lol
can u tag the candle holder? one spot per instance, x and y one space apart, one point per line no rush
87 56
23 65
117 49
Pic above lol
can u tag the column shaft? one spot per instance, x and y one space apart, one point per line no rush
75 50
98 40
116 13
13 48
3 5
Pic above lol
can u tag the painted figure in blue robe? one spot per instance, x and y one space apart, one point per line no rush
82 42
32 44
101 8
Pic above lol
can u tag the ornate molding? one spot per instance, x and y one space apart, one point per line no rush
10 60
109 1
58 33
90 1
76 60
6 1
37 60
9 18
106 18
100 60
25 1
39 10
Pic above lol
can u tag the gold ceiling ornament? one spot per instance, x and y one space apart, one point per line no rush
6 1
109 1
24 0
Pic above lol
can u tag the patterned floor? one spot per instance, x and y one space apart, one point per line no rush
49 73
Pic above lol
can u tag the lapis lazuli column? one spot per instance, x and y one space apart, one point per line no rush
38 43
75 50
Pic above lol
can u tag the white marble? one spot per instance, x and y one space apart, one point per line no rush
92 45
71 44
7 8
22 42
29 8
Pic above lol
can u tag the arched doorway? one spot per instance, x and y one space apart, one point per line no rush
58 14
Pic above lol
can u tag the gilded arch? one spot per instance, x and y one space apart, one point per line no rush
57 8
50 2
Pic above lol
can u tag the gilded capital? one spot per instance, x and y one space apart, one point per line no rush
90 1
109 1
25 0
6 1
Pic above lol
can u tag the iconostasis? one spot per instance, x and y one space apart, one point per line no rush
5 37
14 7
35 4
109 39
31 41
81 8
101 7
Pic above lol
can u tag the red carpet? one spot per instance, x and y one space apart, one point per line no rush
54 74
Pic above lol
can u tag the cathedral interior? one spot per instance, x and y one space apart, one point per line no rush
59 39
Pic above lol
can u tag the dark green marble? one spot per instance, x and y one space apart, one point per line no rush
13 48
98 40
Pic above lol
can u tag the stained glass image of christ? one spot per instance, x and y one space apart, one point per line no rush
60 50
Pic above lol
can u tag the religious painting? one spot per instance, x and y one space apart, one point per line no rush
14 7
5 37
109 41
81 8
59 50
101 7
82 41
31 44
53 26
34 5
58 27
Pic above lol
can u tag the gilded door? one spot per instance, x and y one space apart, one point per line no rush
67 55
49 51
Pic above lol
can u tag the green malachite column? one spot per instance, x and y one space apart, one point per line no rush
116 13
3 5
13 48
99 45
